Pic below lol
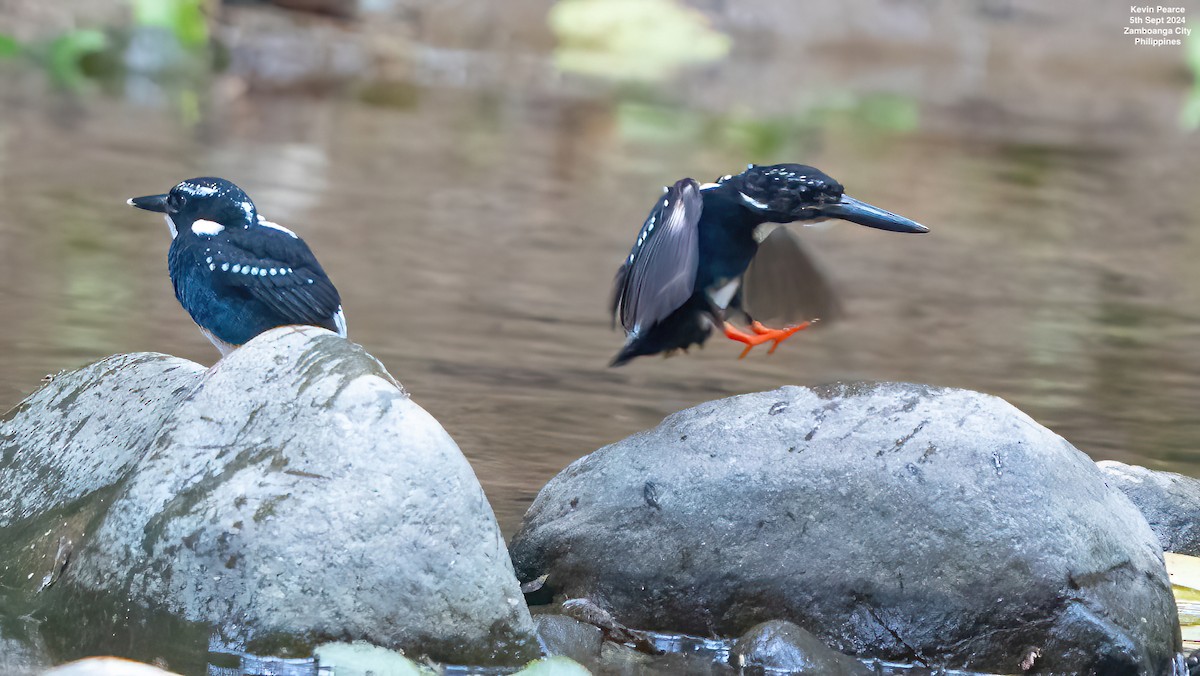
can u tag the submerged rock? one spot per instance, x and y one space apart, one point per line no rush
895 521
783 647
21 658
1170 502
364 659
567 636
294 495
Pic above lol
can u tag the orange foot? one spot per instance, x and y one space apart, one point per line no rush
761 335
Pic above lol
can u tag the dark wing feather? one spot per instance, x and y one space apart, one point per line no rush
299 291
660 273
783 285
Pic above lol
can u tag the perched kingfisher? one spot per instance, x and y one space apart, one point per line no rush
236 273
702 253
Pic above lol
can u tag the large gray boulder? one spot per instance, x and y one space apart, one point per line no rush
295 494
896 521
1170 502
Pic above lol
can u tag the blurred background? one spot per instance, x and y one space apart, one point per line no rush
472 173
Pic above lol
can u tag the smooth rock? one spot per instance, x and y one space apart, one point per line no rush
1170 502
295 495
85 429
106 666
896 521
783 646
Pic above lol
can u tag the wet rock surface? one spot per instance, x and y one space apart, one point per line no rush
783 646
1170 502
896 521
85 429
292 494
21 658
562 635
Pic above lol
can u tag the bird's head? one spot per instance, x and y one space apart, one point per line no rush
784 193
204 206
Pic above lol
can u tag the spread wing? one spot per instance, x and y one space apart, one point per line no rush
278 269
660 273
784 285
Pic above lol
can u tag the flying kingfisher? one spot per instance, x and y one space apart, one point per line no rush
236 273
699 256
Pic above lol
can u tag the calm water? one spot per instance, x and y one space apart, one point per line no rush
473 210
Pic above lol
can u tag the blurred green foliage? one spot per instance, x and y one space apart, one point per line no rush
768 137
9 46
1189 115
64 56
632 39
185 19
75 56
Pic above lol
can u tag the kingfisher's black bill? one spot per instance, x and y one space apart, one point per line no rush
857 211
156 203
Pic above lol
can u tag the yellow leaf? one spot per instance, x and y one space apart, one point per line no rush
1184 570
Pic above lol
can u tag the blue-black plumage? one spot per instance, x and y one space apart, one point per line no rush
701 253
236 273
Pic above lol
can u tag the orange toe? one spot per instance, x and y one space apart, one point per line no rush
761 335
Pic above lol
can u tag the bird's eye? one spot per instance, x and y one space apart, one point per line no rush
175 201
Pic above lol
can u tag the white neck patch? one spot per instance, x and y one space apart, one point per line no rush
206 228
753 202
275 226
171 226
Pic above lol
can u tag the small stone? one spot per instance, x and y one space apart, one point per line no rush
562 635
783 646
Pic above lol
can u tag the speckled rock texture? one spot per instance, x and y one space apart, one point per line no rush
896 521
1170 502
85 429
291 494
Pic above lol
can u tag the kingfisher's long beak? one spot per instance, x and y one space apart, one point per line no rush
156 203
856 211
